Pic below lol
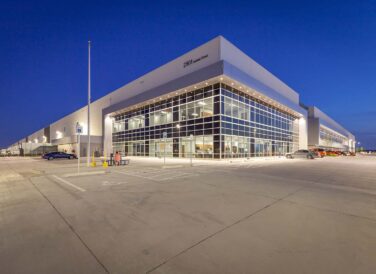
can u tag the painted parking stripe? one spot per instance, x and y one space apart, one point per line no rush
161 176
68 183
138 174
177 176
131 174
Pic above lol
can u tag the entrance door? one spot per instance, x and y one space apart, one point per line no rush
163 148
267 148
185 148
259 148
138 149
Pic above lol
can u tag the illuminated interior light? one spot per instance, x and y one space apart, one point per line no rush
202 103
194 114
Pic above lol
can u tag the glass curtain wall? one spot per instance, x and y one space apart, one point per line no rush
330 140
196 113
223 123
251 127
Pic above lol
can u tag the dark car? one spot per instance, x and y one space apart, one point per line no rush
302 153
58 155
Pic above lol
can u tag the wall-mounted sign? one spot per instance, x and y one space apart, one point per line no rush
192 61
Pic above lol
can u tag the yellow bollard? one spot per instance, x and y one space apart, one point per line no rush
105 164
93 163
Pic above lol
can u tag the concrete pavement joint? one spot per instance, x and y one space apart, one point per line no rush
221 230
70 227
331 210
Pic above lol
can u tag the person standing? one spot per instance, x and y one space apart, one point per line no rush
117 158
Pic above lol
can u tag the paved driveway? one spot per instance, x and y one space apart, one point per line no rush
262 216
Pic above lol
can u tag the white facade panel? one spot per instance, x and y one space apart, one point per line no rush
194 60
236 57
37 137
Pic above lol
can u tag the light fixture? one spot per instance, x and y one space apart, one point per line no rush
194 114
202 103
177 126
221 78
58 135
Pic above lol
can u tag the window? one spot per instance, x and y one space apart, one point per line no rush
136 122
197 109
118 126
161 117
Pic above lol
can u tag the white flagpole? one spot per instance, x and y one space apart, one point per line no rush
88 105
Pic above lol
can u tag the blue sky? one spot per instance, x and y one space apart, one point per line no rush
325 50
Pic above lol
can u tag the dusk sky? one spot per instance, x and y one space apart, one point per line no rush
325 50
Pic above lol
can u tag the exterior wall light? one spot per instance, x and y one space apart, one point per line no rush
58 135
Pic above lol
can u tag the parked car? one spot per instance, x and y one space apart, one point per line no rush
346 153
321 151
302 153
59 155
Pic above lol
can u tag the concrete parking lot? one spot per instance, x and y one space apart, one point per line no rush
256 216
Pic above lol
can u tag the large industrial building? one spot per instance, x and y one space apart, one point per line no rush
212 102
325 133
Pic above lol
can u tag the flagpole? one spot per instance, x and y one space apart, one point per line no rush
88 104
